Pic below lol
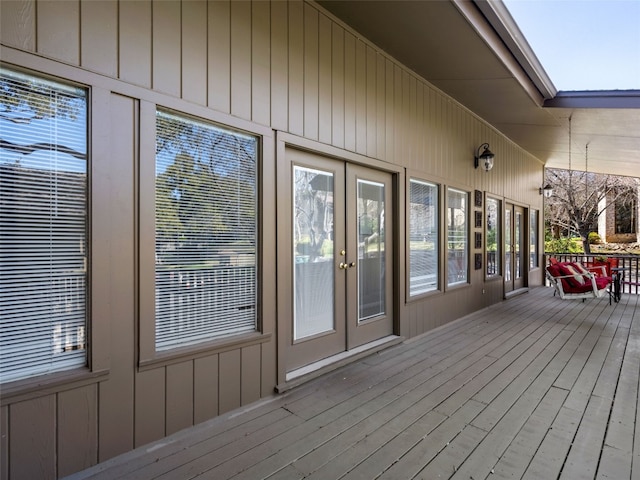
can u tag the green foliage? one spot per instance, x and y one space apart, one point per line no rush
563 245
594 238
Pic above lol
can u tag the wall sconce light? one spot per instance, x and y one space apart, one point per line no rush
485 158
547 190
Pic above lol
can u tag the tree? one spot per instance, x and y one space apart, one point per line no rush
576 201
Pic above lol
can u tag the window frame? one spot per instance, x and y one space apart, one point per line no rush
411 179
467 250
499 238
148 356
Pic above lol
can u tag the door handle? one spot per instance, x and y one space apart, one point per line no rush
344 266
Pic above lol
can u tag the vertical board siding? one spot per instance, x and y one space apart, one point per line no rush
4 443
205 388
260 62
150 410
77 422
17 24
229 375
310 62
116 422
179 392
250 375
279 66
371 101
219 56
361 96
32 426
296 69
337 85
58 30
324 80
134 45
241 59
99 37
194 56
349 92
166 46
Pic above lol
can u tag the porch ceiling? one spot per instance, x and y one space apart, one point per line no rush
474 52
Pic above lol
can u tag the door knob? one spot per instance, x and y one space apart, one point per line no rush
343 266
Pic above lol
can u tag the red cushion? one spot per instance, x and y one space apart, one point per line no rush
570 271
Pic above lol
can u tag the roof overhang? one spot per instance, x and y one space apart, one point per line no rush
474 52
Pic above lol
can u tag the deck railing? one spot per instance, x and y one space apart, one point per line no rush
629 263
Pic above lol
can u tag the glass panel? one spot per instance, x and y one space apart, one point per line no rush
457 236
507 246
43 220
371 267
206 230
493 237
313 256
423 237
517 253
533 239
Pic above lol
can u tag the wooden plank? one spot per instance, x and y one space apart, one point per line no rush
325 79
134 55
4 443
337 85
205 388
166 31
58 30
279 67
296 73
311 93
250 376
116 394
32 444
99 37
77 423
179 408
193 55
241 59
219 55
150 406
230 381
261 62
18 24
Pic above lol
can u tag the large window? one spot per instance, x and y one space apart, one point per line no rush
205 253
493 241
457 237
43 226
423 237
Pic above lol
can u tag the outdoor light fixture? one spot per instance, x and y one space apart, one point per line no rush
547 190
485 158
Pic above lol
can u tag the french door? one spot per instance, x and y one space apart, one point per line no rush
514 247
341 257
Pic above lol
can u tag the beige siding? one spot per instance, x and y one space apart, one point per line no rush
286 66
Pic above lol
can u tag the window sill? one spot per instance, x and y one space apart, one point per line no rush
48 384
179 355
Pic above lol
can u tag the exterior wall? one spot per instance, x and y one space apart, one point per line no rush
261 67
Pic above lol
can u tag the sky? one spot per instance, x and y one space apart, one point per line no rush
583 44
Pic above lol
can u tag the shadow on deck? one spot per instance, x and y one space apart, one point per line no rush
533 388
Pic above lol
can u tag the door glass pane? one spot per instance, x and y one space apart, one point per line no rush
313 273
533 239
457 234
371 268
507 245
493 237
517 245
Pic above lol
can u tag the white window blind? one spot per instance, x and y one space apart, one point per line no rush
423 237
206 231
43 225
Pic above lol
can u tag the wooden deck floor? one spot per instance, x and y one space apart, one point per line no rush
532 388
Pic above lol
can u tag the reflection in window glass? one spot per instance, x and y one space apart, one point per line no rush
43 220
423 237
206 231
533 243
493 237
457 237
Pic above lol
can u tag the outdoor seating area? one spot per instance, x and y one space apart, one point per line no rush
572 280
531 388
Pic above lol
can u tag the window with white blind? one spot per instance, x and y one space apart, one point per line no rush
457 236
43 226
423 237
206 231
